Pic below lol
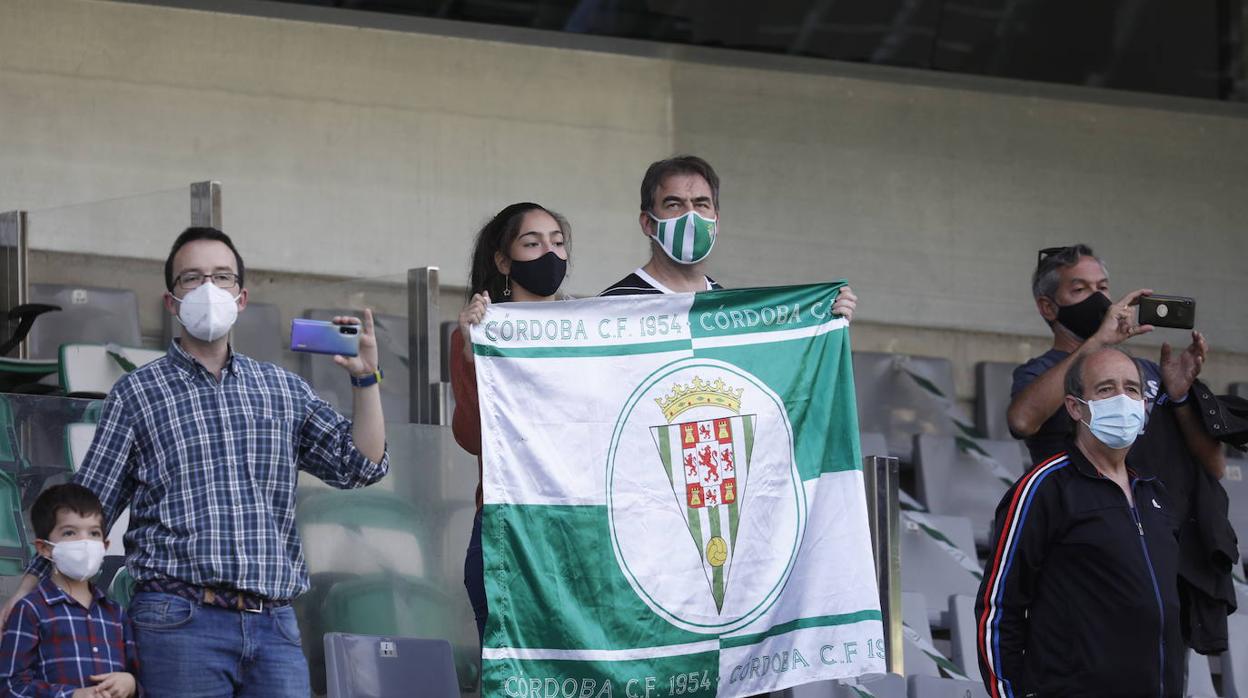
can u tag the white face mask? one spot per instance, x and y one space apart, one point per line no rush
1116 421
78 559
208 312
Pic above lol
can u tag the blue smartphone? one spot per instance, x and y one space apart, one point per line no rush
323 337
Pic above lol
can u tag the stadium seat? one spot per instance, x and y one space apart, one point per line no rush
1235 482
78 437
1199 678
392 354
922 673
87 316
1239 389
962 635
951 481
914 613
891 402
14 553
385 604
993 380
1235 659
90 370
28 375
370 666
121 588
928 569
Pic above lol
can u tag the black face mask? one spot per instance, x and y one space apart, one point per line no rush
1083 318
541 276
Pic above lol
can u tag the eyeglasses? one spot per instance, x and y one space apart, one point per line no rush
1049 251
194 279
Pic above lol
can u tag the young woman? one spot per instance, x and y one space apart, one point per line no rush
520 255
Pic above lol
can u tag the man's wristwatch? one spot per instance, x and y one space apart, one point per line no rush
367 379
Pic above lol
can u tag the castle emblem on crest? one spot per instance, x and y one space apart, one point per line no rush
707 463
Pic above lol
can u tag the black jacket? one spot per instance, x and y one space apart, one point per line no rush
1080 596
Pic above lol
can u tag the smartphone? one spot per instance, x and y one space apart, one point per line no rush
1168 311
323 337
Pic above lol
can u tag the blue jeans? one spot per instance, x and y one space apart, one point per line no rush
191 650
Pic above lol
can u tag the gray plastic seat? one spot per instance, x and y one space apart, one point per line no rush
922 674
963 635
1235 659
892 403
90 370
914 613
951 481
1235 482
332 384
993 380
1239 389
371 666
88 315
929 570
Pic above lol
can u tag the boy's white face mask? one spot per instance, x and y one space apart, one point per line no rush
78 559
208 312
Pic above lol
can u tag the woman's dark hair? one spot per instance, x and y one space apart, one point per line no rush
497 236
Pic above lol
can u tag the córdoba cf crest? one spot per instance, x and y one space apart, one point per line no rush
707 463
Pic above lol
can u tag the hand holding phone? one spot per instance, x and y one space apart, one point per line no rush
1168 311
323 337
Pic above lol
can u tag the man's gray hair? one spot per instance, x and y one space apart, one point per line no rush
1048 271
1073 384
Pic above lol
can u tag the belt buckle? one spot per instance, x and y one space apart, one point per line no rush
242 604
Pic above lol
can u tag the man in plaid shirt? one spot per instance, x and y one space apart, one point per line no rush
205 446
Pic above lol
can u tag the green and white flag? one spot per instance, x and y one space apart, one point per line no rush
674 497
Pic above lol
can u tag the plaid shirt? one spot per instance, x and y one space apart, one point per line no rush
52 644
209 470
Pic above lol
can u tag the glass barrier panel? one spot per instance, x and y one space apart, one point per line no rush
388 559
101 263
43 439
263 331
128 226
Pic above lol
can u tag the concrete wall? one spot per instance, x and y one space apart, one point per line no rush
350 150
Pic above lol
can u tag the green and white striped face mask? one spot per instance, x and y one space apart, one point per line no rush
687 239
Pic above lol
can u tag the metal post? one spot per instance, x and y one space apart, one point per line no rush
13 237
881 477
206 204
425 365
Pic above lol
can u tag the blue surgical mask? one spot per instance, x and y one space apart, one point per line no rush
1116 421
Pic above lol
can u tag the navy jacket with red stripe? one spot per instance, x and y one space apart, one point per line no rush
1080 596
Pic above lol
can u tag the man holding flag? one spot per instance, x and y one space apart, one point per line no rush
680 217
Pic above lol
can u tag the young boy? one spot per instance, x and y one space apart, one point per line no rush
66 639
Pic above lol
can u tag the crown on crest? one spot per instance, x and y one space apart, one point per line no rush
700 393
